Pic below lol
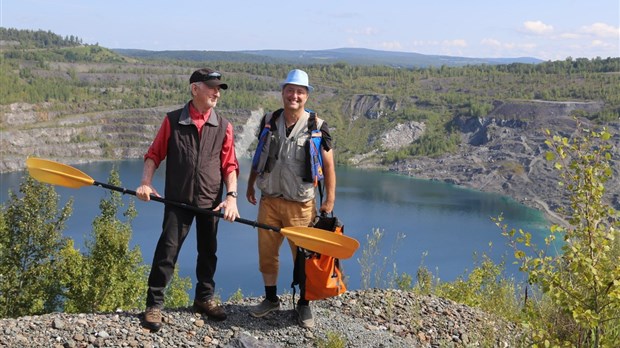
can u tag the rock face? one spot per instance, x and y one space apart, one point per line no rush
540 108
480 131
506 155
30 130
402 135
372 318
371 106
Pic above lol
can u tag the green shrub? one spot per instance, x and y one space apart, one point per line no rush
583 280
333 340
31 241
485 287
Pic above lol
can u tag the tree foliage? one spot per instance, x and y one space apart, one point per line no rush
42 272
31 228
37 38
583 280
109 275
176 292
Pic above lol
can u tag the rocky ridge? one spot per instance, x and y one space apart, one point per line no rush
371 318
503 153
37 130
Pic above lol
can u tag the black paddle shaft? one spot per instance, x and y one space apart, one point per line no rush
186 206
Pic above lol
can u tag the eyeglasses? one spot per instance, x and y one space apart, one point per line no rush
213 75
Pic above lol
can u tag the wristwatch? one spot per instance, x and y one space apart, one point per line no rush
232 193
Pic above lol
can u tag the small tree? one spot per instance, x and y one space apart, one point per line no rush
176 292
583 280
111 275
31 239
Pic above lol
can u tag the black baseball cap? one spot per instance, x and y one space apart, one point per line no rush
210 77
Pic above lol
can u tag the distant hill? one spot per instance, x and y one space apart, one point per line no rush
353 56
233 57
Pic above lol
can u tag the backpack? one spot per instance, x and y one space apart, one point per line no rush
262 163
319 276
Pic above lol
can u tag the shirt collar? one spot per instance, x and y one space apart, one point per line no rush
196 115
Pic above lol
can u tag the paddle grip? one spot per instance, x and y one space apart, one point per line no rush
187 206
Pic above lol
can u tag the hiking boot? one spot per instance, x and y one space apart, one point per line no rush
304 316
152 318
264 308
210 308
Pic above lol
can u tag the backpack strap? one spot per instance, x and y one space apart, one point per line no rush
271 118
261 155
314 124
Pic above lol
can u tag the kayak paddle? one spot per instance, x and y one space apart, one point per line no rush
310 238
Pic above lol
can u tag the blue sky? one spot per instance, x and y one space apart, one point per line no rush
544 29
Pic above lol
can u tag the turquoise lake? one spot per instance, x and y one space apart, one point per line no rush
444 226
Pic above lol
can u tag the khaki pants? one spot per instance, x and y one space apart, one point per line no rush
279 212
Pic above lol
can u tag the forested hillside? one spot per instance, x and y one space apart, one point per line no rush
60 77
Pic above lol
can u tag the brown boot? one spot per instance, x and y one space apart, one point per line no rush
152 318
210 308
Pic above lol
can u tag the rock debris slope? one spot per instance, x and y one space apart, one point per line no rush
370 318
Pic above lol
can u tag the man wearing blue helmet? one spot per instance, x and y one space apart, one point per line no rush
287 194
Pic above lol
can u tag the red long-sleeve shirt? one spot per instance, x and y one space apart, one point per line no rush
159 148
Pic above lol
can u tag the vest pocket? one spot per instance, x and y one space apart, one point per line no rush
300 149
297 189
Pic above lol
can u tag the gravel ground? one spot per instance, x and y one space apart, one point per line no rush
370 318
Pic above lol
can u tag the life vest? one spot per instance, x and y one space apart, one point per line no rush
276 149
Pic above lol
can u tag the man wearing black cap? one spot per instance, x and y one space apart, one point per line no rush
198 146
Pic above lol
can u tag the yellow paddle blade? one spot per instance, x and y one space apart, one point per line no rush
322 241
55 173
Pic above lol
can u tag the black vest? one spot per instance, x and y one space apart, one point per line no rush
193 165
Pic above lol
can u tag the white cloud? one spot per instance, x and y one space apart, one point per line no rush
529 47
537 27
352 42
491 42
391 45
570 36
445 47
455 43
425 43
601 44
601 30
508 49
368 31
